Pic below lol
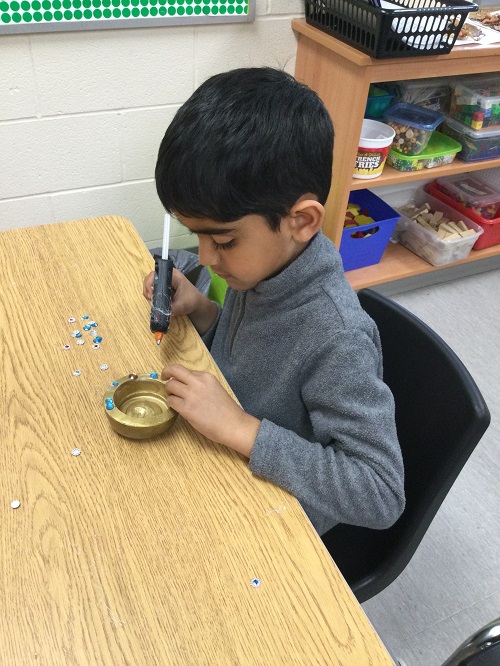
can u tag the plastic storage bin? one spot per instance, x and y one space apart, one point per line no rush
413 126
427 244
491 228
472 193
357 252
477 102
478 145
377 102
431 94
440 150
395 30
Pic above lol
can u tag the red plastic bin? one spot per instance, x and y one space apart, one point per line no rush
491 235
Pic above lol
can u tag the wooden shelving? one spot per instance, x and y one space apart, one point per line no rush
400 262
341 75
391 176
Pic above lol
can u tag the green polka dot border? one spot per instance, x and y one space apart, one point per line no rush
79 11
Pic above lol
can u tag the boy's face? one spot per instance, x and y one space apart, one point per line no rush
244 252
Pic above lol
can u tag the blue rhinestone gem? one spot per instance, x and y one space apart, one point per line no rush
86 327
98 338
154 375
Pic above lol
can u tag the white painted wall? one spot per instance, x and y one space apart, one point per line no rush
82 114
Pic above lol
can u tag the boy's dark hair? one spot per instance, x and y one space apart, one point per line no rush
248 141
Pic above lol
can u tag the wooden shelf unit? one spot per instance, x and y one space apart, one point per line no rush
341 75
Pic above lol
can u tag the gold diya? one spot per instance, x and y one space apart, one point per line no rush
136 406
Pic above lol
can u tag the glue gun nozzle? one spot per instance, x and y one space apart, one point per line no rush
158 337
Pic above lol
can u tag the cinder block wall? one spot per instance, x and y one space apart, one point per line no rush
82 113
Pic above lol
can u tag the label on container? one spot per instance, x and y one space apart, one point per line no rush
370 162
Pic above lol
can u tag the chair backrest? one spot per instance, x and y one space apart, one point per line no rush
481 649
440 417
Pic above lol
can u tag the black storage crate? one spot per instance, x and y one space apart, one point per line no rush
415 28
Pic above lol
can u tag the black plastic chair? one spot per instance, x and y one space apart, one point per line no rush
440 416
481 649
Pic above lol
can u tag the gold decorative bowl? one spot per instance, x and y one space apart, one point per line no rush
136 406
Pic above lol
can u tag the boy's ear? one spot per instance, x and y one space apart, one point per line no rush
306 218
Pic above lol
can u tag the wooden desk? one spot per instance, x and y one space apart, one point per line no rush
138 553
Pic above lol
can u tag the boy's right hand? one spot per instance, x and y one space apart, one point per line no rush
186 300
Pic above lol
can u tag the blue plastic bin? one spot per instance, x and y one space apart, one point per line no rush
360 252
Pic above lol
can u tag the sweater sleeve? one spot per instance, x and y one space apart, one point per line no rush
208 336
353 473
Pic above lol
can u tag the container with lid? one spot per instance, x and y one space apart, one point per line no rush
413 126
476 102
425 241
440 150
491 228
477 145
473 193
429 93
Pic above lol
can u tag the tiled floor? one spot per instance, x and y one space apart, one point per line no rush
452 585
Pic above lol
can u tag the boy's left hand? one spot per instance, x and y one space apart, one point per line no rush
205 404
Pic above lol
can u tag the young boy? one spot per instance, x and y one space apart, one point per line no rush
246 166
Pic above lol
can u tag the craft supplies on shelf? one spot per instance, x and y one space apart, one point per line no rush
475 101
413 126
491 227
364 245
477 145
428 93
471 192
440 150
435 231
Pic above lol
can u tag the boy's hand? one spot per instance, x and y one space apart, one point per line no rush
186 300
205 404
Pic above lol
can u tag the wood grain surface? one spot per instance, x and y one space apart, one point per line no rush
138 553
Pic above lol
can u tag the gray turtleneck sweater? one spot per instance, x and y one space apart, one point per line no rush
300 354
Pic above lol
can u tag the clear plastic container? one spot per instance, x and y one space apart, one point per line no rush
472 193
429 93
426 243
440 150
476 145
413 126
477 102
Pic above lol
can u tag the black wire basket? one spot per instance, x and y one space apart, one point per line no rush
398 29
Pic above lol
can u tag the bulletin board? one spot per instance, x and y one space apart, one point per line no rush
22 16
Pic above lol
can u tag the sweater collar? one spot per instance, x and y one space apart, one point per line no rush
310 264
